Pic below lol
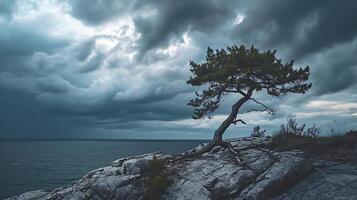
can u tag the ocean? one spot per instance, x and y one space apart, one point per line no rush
47 164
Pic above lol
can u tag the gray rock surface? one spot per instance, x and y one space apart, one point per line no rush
214 175
120 181
329 181
36 194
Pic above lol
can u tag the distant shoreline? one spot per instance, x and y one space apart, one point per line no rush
86 139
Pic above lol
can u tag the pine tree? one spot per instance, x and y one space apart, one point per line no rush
242 71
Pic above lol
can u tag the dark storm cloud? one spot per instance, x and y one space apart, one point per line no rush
121 112
91 78
22 117
25 39
6 8
172 18
96 12
92 63
84 49
54 84
337 69
300 29
306 26
160 20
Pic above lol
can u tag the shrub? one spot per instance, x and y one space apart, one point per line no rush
313 131
156 181
256 132
292 135
336 147
291 128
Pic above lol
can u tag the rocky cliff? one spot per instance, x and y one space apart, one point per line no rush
214 175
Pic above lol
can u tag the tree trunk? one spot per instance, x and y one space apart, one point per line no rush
217 138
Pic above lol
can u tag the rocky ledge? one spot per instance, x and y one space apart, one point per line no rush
214 175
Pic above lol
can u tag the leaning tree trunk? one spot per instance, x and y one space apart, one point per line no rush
230 119
217 139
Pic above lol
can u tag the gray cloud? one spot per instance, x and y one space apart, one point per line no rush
22 40
306 27
132 79
97 12
172 18
58 84
318 33
22 117
7 7
54 84
337 69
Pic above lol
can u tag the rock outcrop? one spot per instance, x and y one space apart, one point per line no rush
330 180
214 175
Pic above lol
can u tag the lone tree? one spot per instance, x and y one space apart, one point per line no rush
241 71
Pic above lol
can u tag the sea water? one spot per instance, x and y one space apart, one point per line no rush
47 164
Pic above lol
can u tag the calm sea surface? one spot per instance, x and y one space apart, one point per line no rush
46 164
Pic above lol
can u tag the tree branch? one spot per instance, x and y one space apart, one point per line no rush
242 93
258 110
270 110
236 91
238 120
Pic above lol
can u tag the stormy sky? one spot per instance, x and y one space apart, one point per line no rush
118 69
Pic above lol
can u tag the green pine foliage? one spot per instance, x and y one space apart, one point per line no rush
239 69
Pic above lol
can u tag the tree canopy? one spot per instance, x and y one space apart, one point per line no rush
243 70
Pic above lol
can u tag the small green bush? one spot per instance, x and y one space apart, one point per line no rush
256 132
291 135
156 181
334 147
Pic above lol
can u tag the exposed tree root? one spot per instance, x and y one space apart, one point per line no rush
235 153
209 147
